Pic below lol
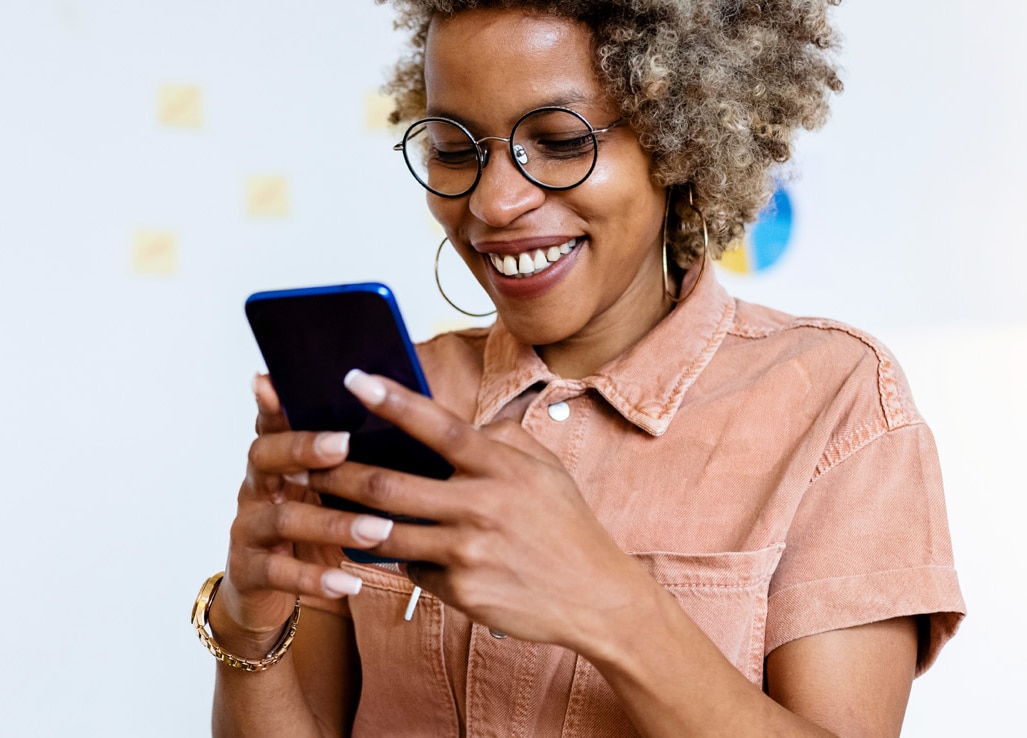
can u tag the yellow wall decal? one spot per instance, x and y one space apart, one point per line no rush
267 196
180 106
154 252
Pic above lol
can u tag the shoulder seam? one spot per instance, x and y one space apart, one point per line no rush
897 413
840 449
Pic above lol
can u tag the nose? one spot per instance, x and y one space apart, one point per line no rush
503 194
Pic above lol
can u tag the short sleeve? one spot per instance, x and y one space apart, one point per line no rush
870 541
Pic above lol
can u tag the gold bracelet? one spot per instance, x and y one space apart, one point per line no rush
201 611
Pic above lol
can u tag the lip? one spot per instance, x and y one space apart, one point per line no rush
532 285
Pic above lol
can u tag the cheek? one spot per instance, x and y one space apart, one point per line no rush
445 211
626 197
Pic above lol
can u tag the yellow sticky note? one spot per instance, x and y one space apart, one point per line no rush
267 196
446 325
735 259
154 252
377 109
180 106
434 227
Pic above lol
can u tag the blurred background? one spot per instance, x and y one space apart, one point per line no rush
159 161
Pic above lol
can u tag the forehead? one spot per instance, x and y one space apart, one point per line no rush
491 66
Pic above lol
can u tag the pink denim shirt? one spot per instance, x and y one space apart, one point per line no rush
771 472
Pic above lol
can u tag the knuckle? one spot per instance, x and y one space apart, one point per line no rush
469 553
453 434
486 512
465 590
257 453
331 526
380 488
270 569
284 519
301 446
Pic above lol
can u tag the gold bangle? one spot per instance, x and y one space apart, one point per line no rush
201 611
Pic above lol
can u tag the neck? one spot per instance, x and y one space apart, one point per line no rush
605 339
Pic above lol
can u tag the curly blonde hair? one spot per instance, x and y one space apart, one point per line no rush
715 89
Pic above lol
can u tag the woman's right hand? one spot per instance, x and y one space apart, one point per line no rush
283 542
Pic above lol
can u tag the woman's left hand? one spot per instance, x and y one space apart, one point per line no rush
515 546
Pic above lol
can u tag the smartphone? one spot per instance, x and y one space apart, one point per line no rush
310 339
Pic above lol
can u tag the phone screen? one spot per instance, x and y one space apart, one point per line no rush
310 339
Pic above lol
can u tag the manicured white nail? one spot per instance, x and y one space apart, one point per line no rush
300 478
253 383
371 529
364 386
332 444
337 583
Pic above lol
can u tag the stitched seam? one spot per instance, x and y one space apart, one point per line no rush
841 448
703 585
895 413
609 390
527 665
577 436
864 575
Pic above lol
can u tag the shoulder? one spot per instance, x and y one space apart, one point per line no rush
453 363
835 356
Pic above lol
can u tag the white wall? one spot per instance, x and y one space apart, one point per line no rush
127 248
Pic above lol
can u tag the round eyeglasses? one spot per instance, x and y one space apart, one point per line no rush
553 147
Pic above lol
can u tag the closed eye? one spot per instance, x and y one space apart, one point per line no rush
564 145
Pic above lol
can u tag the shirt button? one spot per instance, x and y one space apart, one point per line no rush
559 411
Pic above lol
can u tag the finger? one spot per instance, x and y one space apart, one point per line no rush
422 418
398 493
295 452
284 573
270 417
293 522
437 546
510 433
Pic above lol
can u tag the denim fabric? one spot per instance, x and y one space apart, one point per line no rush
771 472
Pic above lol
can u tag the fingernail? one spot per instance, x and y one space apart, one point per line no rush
371 529
300 478
364 386
332 444
253 383
337 583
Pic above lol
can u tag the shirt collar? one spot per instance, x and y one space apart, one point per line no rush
646 384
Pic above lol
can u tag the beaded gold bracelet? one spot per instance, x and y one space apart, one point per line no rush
201 611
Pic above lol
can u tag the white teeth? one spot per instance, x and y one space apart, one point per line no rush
528 263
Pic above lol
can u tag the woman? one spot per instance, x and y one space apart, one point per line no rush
673 513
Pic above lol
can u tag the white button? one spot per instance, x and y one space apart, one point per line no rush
559 411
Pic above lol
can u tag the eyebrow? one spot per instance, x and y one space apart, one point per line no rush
566 100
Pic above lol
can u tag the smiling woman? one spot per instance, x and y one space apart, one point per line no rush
672 512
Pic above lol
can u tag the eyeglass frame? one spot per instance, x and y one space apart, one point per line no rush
482 157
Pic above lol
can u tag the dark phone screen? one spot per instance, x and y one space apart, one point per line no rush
310 338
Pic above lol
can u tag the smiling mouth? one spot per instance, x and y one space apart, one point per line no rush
531 262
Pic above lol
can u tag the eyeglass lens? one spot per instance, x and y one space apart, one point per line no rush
552 147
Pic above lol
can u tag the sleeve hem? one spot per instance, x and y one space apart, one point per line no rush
845 602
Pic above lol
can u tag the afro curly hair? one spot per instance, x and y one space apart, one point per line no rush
715 89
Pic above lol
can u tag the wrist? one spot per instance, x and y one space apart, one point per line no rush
235 646
620 627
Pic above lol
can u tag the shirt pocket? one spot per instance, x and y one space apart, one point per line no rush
724 593
404 687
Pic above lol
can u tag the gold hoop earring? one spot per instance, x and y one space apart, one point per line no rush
438 283
706 248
